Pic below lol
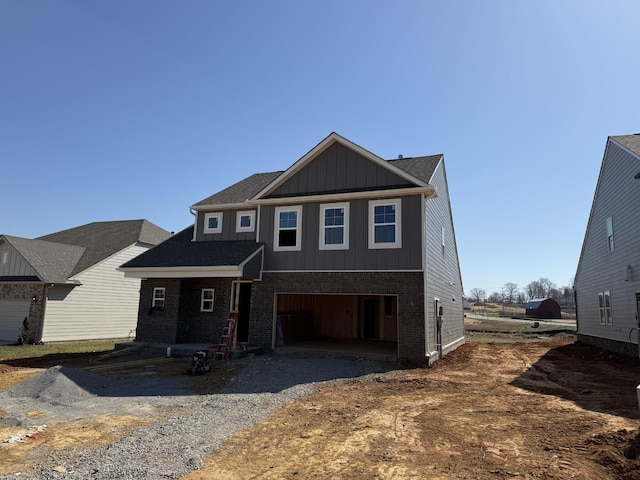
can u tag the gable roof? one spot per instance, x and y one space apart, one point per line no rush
328 141
53 262
631 142
418 170
103 239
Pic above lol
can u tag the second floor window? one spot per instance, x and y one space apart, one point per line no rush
288 228
213 222
334 226
245 221
384 223
609 223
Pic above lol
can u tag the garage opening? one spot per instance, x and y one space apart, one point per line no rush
352 324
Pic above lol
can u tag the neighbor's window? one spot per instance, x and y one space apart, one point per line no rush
610 234
245 221
288 228
213 222
384 223
158 297
604 306
334 226
206 301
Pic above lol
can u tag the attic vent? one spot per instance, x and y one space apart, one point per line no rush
400 157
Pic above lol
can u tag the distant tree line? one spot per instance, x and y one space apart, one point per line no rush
511 293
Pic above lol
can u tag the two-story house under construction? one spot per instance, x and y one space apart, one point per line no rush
343 246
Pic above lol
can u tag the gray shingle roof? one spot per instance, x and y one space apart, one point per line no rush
420 167
632 142
103 239
53 262
181 251
241 191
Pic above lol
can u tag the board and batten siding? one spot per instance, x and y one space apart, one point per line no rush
338 169
444 280
359 257
104 306
12 264
229 218
617 196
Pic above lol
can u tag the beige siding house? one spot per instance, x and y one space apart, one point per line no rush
67 284
607 281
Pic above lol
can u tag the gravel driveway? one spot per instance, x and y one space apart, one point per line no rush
178 445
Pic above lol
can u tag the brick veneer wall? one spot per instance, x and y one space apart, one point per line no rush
26 291
181 320
408 286
622 348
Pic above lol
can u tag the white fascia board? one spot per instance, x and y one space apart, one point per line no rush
223 206
183 272
427 191
334 137
248 259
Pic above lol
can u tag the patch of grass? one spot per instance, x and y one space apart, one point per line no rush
13 352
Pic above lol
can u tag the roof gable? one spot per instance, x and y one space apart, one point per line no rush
338 165
52 262
630 142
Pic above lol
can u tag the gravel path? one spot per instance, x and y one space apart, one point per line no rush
178 445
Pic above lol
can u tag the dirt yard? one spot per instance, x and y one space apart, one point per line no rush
545 410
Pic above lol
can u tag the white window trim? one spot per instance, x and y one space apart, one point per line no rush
605 311
154 298
207 216
276 229
252 222
345 228
212 299
398 224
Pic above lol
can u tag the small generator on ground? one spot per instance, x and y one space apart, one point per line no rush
199 363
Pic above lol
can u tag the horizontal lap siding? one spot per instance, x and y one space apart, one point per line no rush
104 306
443 279
617 196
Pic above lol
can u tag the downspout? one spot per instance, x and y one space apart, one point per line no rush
425 281
195 220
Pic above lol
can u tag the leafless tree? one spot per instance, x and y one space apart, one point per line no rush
478 295
510 290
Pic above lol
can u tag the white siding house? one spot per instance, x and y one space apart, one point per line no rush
608 277
67 284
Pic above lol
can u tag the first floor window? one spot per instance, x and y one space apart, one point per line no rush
158 297
206 301
384 223
604 307
334 226
288 228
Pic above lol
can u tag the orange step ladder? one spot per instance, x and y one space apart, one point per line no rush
223 349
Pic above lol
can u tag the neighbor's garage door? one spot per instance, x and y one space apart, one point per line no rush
12 313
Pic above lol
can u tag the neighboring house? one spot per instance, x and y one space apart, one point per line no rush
343 245
607 283
543 308
67 283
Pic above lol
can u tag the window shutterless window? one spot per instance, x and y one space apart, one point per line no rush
158 297
213 222
334 226
609 223
288 228
385 225
604 307
245 221
206 300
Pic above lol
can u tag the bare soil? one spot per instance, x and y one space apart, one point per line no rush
550 409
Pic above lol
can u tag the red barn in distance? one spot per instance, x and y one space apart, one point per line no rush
543 308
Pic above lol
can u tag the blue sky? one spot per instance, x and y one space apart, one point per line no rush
116 110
